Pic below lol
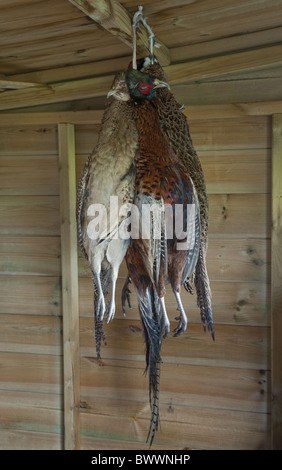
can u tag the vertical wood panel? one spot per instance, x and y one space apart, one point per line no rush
276 289
69 285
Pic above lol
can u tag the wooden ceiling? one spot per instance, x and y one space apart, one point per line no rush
62 54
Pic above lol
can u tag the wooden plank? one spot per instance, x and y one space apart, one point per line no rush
33 373
28 140
28 419
120 388
29 255
193 112
39 15
30 295
57 92
89 442
69 285
239 216
22 175
113 17
71 117
248 132
228 259
223 45
231 110
29 215
237 172
71 48
190 22
17 85
86 117
203 430
276 276
225 65
14 439
75 71
235 346
228 90
229 171
234 303
38 334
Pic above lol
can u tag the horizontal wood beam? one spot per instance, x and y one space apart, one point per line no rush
177 74
113 17
49 118
16 85
194 113
225 65
56 93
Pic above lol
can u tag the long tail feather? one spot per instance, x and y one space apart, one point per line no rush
154 402
80 198
149 307
204 293
98 322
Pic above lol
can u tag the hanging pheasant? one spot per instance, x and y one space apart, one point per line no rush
109 172
175 127
153 261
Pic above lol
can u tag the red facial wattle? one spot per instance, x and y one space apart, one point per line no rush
145 88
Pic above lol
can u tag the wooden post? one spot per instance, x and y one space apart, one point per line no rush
276 284
69 286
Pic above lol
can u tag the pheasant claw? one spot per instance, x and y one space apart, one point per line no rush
125 296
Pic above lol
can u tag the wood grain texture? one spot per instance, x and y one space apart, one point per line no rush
276 275
69 286
113 17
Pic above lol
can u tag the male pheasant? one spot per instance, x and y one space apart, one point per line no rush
162 183
175 126
109 172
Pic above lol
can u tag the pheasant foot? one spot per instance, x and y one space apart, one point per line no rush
165 320
182 325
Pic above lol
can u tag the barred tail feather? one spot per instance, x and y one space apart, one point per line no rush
99 335
98 323
154 402
80 198
149 307
204 293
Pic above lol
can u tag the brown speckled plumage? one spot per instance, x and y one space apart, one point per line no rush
161 180
109 171
175 126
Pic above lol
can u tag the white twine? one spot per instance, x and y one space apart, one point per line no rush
137 18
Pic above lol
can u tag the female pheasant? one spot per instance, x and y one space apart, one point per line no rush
109 172
162 183
175 126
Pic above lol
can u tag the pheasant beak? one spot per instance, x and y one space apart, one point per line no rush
111 92
159 84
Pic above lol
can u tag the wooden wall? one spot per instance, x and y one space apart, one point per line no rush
31 375
214 395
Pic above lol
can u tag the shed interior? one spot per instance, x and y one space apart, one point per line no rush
223 60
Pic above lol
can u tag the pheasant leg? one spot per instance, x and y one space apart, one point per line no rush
182 325
101 307
166 323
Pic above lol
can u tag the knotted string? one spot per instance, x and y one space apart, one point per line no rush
137 18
